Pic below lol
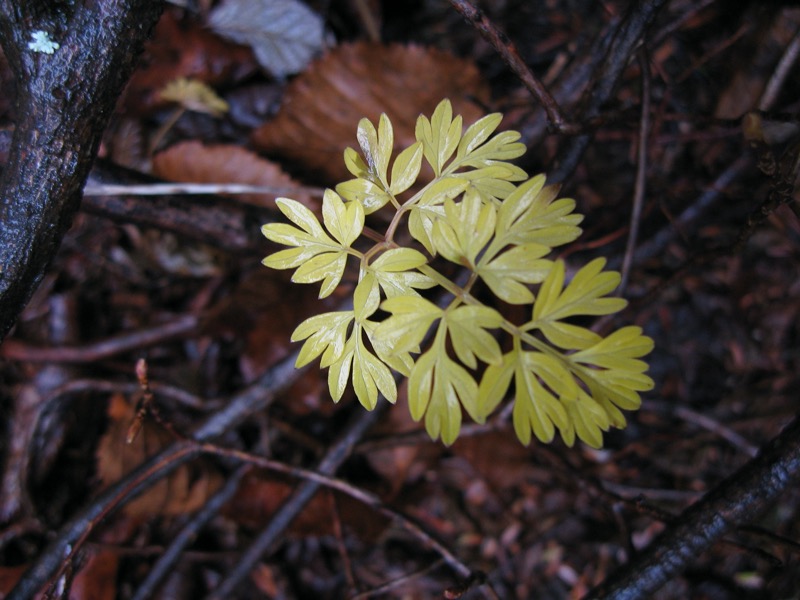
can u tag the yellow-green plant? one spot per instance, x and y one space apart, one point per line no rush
472 213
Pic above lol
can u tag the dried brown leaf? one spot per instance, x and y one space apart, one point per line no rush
323 105
261 494
184 491
192 162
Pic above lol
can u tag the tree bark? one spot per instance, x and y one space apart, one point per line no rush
64 101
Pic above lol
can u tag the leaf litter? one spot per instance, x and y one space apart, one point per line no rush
541 522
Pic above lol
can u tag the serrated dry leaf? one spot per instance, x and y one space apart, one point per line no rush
193 162
323 105
184 491
284 34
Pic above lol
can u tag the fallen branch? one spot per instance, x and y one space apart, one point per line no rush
736 500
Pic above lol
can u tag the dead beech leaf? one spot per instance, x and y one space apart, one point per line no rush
192 162
322 106
284 34
184 491
261 494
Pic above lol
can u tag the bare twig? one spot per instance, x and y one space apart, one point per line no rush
264 541
780 74
508 52
125 342
68 540
188 534
641 172
627 39
94 188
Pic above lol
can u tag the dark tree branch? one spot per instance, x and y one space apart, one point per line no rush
625 43
736 500
64 101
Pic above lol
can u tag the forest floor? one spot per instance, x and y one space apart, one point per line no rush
174 284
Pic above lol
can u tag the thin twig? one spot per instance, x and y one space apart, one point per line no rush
367 498
59 552
90 353
627 38
780 74
161 189
508 52
641 172
392 585
188 534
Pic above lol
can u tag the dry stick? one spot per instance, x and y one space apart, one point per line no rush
213 220
193 189
697 209
124 342
292 507
782 71
628 37
255 398
392 585
188 534
741 497
508 52
641 172
367 498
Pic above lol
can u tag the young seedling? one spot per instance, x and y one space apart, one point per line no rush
485 215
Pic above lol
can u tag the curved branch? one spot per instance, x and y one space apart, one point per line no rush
738 499
64 101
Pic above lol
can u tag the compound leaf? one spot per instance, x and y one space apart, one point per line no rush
411 317
439 136
465 228
325 334
395 271
531 214
345 222
467 327
477 133
583 295
494 384
370 196
507 274
366 297
438 387
405 169
535 409
370 375
377 147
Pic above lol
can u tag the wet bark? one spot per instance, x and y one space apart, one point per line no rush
64 101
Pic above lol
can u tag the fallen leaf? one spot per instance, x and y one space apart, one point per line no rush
261 494
195 95
184 491
97 578
284 34
182 47
194 162
322 106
